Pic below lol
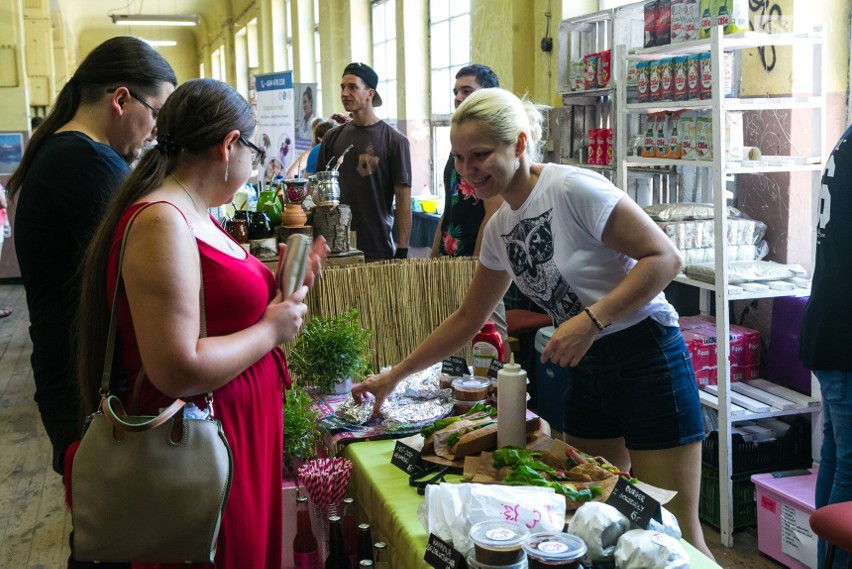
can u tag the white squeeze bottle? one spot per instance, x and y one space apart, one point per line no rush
511 405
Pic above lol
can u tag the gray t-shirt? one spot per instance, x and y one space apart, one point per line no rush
380 159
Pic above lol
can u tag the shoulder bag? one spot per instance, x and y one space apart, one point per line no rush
148 489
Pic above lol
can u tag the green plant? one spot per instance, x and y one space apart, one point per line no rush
300 427
330 350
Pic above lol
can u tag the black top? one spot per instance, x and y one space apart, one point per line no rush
62 200
463 214
827 325
379 160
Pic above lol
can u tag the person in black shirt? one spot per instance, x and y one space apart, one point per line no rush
101 120
827 331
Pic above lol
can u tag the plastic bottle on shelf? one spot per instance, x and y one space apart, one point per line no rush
487 346
511 405
305 545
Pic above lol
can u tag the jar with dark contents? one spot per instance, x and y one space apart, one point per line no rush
462 407
498 543
471 388
547 550
445 381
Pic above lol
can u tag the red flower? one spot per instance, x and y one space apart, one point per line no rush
467 191
450 244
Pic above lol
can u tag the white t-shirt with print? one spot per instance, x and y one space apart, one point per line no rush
551 246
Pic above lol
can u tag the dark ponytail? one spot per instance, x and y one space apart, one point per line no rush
124 60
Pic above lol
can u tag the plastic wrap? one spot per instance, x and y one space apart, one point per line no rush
644 549
599 525
746 271
685 211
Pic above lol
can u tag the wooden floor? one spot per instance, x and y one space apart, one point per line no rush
34 524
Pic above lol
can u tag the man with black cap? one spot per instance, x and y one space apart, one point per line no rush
377 169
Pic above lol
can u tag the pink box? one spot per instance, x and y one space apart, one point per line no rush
772 494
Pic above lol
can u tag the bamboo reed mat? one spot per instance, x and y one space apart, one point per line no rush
401 301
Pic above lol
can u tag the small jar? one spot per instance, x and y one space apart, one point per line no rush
462 407
498 543
471 388
547 550
445 381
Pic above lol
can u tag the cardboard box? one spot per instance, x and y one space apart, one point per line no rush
784 506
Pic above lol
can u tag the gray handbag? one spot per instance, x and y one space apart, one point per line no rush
148 489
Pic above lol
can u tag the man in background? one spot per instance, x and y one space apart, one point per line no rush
101 120
827 331
374 172
459 232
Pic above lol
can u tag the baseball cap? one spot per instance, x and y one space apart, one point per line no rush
366 73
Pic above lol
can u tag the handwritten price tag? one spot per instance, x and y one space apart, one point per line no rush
442 556
496 365
455 366
405 458
638 506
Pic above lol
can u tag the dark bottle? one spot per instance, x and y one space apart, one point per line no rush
365 563
365 543
380 555
336 554
350 531
305 546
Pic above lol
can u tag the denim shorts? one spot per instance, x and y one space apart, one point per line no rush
638 384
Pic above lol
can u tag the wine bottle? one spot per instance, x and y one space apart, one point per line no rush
365 543
336 554
350 531
305 546
380 553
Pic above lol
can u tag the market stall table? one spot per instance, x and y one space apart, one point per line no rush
382 491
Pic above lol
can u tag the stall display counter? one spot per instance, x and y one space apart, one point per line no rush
390 504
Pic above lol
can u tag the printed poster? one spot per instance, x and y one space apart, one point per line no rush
304 98
11 151
276 133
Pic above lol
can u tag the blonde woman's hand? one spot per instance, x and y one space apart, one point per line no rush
379 386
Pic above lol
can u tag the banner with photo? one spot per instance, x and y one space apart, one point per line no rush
276 130
304 94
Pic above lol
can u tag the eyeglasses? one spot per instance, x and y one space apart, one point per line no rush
258 154
154 110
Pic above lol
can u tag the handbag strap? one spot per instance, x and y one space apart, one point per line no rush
106 377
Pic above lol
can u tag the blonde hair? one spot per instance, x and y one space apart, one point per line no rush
506 116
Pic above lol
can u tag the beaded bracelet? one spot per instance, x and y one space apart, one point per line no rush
600 325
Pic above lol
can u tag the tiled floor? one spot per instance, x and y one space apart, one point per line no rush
34 524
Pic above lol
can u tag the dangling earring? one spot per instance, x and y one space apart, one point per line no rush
517 163
226 170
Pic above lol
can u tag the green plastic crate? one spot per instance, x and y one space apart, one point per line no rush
745 507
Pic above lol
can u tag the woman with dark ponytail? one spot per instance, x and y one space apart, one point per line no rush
204 153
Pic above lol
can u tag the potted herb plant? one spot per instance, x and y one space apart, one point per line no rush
331 352
300 429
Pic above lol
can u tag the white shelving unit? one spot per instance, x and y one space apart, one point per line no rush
718 170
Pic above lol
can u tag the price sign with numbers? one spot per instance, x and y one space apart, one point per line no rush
455 366
638 506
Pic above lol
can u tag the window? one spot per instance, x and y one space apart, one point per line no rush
289 34
449 41
384 55
318 57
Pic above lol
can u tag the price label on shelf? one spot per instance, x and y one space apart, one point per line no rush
638 506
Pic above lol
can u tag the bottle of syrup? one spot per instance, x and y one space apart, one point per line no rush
487 346
305 545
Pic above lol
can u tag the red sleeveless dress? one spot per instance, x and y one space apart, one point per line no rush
236 293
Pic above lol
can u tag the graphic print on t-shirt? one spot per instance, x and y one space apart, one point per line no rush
529 246
824 206
368 162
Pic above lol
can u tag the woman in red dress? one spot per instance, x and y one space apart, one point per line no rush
203 155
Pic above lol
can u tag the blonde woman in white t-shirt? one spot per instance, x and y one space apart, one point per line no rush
588 255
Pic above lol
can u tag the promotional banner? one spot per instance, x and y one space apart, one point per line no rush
276 132
305 114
